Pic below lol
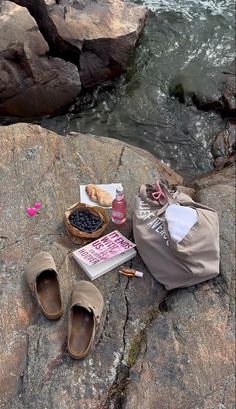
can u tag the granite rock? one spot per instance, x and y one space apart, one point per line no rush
187 357
106 32
153 349
217 93
33 83
37 164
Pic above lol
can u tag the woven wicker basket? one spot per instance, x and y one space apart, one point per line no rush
79 234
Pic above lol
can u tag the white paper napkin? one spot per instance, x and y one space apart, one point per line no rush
180 220
110 188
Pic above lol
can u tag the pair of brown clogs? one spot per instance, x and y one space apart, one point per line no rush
85 309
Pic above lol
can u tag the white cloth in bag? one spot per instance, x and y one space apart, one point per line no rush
180 220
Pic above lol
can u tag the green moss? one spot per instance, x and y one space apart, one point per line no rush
139 339
135 348
152 315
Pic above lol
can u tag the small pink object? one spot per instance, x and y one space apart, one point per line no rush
31 211
37 205
158 194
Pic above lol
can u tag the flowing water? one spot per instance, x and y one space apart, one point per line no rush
187 40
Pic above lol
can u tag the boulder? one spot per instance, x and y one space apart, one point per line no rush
38 164
223 147
186 358
229 88
34 84
218 94
107 32
153 348
31 83
225 176
224 100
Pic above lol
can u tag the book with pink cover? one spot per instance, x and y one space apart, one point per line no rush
104 254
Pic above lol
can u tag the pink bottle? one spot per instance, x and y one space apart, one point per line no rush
119 207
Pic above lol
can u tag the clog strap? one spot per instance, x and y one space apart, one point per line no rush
90 308
87 295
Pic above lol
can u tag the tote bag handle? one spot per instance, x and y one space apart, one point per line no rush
157 195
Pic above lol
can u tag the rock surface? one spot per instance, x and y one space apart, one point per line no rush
225 176
187 357
229 88
218 94
33 84
153 349
106 30
223 147
40 165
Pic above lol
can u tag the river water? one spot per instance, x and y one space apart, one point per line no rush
188 39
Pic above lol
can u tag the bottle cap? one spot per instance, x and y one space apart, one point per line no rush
119 190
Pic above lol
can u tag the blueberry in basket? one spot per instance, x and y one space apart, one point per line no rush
85 221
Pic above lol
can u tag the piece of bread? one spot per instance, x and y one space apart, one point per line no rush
91 192
98 195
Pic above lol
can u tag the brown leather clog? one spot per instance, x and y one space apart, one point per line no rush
84 317
42 277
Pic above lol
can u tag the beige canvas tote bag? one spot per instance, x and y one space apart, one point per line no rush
189 261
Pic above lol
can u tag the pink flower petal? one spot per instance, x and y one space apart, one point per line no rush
31 211
37 205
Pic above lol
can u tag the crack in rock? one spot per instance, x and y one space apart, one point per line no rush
116 394
120 160
107 318
30 235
